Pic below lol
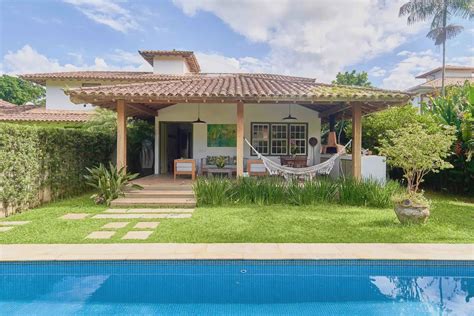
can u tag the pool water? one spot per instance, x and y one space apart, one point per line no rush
308 287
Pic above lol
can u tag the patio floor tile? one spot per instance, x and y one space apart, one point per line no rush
14 223
100 235
75 216
151 225
115 225
5 228
137 235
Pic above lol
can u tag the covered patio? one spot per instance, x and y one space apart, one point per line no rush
241 99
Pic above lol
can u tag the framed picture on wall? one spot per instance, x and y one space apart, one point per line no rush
221 135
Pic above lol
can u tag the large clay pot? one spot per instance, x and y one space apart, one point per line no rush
407 212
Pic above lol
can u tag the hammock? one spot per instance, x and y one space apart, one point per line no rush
274 168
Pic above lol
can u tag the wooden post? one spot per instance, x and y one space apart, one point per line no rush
240 138
356 140
121 134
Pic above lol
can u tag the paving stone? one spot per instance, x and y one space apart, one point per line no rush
145 225
140 234
100 235
130 216
116 225
149 210
14 223
179 216
75 216
5 228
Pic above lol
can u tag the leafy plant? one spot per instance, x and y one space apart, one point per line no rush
417 152
220 161
275 190
109 182
353 79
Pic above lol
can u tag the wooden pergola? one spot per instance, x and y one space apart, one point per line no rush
335 102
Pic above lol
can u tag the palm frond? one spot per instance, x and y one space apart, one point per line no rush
419 10
441 34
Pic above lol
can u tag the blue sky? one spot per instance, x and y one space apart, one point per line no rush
296 37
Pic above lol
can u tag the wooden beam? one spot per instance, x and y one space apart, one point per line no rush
121 134
142 109
333 110
356 140
240 139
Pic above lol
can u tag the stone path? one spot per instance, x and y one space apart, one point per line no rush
9 225
145 228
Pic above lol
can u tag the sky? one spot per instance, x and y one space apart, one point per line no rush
310 38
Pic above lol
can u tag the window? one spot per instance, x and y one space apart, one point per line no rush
260 137
298 137
279 139
275 139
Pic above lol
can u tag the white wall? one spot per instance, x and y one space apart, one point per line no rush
169 65
452 74
227 114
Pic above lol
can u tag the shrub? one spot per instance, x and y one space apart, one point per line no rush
109 182
42 163
273 190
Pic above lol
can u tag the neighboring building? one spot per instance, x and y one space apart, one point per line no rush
30 113
276 113
454 75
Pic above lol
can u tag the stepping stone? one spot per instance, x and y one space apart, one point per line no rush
14 223
5 228
141 234
145 216
115 225
151 225
100 235
75 216
149 210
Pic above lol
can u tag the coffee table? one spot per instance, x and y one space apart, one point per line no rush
228 171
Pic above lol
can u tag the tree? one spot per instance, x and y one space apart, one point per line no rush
19 91
417 151
352 79
441 11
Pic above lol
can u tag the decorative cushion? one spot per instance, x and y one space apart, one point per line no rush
230 160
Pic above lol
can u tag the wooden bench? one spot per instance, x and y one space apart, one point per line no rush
184 167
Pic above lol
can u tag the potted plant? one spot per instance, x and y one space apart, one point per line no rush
221 161
293 148
417 150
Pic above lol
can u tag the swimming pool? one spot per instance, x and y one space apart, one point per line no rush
229 287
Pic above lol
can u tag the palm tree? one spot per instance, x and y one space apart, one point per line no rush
441 11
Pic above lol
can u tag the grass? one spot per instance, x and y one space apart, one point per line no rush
451 222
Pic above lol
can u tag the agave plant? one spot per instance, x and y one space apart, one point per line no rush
110 182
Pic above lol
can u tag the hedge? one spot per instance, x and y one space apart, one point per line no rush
39 163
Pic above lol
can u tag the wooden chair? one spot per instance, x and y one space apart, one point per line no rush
184 167
255 167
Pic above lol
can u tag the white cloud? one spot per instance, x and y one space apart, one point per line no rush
215 62
377 72
402 75
28 60
107 12
313 38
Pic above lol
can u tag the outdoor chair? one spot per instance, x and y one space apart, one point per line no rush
255 167
184 167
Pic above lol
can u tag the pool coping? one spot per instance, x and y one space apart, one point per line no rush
235 251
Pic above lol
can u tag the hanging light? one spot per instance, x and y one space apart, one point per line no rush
289 117
199 121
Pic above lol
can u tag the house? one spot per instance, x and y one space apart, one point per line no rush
454 75
199 114
30 113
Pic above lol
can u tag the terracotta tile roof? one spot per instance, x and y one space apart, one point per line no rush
130 76
242 86
448 67
436 84
33 113
188 56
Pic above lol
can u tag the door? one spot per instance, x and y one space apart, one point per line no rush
176 141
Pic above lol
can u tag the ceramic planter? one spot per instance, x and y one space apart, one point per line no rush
407 212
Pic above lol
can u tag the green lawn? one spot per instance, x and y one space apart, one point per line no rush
452 221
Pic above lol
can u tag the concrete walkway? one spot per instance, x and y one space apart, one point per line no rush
133 251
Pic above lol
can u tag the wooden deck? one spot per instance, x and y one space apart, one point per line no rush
159 191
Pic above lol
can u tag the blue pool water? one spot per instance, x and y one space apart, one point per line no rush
327 287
